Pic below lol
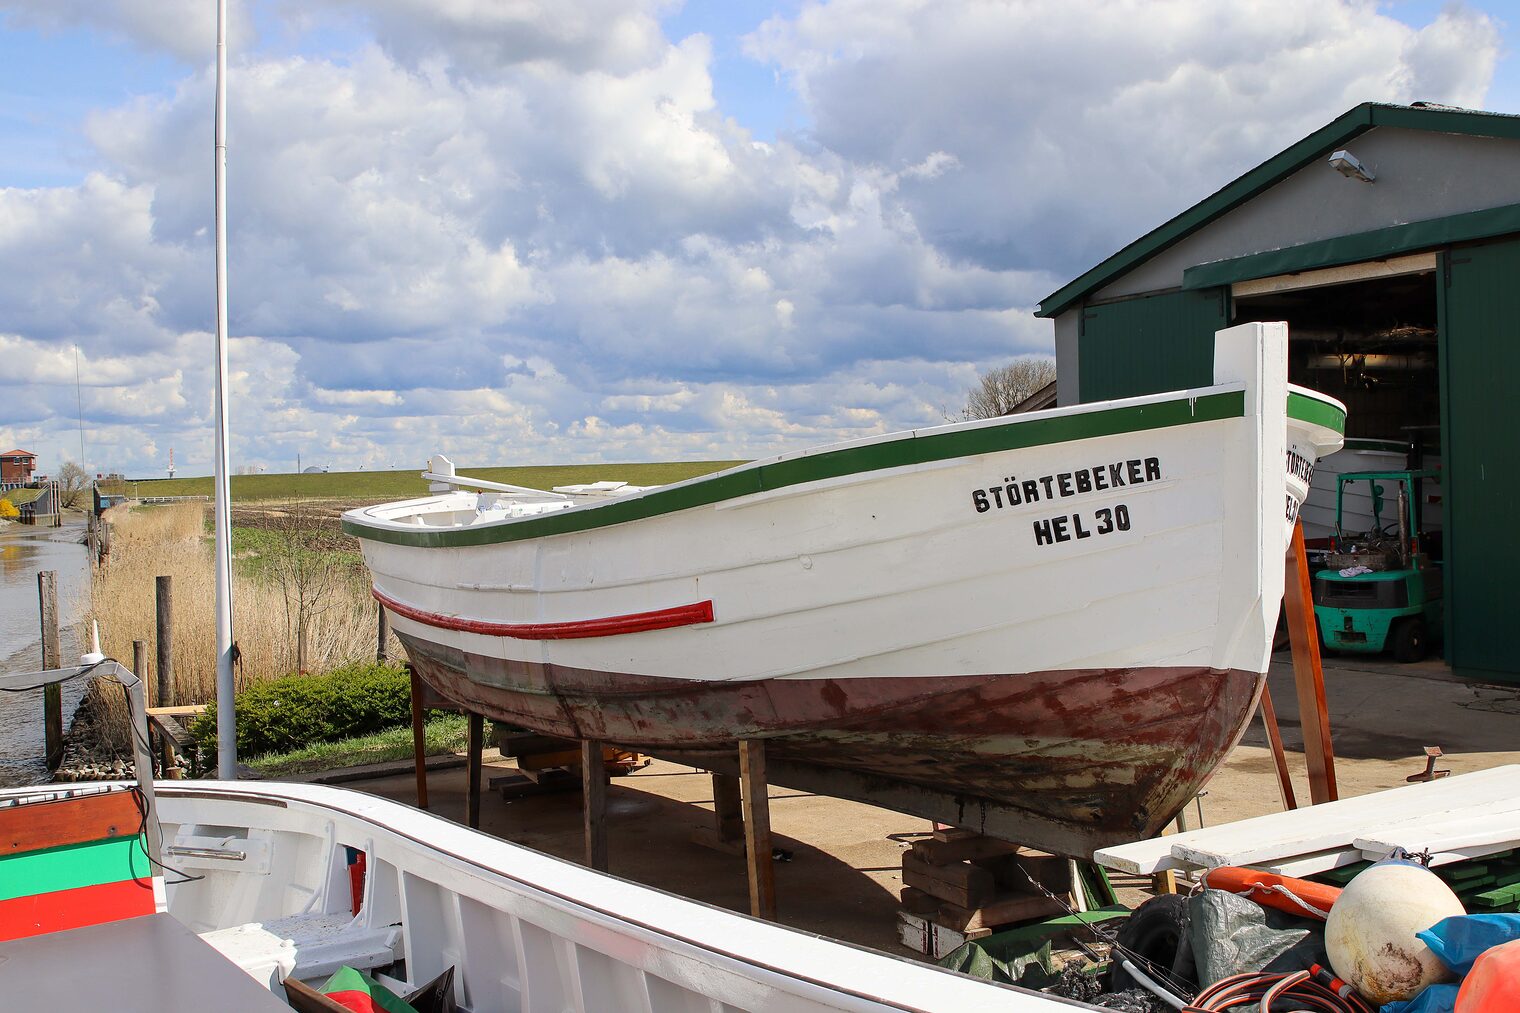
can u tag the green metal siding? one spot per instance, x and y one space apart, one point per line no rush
1149 345
1480 349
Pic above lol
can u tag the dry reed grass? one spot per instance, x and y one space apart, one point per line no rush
146 543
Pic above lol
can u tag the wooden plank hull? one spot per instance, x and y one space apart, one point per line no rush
1113 754
1064 614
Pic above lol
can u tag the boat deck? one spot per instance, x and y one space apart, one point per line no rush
138 965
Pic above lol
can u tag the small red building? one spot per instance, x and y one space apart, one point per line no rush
16 466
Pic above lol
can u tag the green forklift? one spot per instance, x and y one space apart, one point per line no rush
1378 590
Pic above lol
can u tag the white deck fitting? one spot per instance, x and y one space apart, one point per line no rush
525 932
1448 816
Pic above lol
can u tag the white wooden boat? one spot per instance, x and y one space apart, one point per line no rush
276 892
1357 455
1065 613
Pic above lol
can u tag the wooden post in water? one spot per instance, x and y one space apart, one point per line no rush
52 657
163 587
594 804
1313 712
757 829
382 632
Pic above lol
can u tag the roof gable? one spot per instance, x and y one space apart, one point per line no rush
1273 171
19 453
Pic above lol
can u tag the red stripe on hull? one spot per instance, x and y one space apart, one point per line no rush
71 909
610 626
1112 753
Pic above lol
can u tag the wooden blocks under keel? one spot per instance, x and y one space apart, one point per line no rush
960 885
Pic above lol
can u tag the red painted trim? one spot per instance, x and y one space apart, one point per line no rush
611 626
71 909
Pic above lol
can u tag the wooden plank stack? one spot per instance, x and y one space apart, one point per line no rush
1456 819
960 885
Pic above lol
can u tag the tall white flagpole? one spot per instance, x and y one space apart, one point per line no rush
226 726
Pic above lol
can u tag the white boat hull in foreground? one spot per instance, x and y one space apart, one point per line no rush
1066 614
524 932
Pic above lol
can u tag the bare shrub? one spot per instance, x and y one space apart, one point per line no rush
999 391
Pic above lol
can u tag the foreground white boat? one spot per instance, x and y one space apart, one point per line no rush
278 896
1066 614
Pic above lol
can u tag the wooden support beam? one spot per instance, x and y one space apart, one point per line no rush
474 746
382 631
1313 713
757 829
52 657
594 804
1279 756
419 738
728 807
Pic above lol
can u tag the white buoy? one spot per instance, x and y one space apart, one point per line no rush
1370 934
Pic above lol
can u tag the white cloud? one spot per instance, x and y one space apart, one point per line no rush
522 231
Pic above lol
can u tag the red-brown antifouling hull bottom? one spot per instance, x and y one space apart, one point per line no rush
1112 754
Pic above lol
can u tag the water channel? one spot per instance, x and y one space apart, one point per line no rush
25 551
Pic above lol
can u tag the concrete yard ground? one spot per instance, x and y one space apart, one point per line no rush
845 870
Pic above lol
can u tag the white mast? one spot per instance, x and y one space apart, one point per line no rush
226 727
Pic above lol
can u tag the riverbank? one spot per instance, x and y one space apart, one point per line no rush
26 550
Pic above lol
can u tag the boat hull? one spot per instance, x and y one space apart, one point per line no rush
1111 753
1064 615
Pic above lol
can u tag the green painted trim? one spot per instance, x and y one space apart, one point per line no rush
72 866
1316 412
748 480
1374 245
1271 172
1443 358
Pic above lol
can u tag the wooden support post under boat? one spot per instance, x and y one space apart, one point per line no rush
1313 714
382 631
474 746
594 803
757 829
1279 757
727 831
419 738
52 657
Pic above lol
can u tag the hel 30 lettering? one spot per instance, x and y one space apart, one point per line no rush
1067 527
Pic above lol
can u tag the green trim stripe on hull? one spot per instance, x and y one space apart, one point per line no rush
72 866
855 460
1316 412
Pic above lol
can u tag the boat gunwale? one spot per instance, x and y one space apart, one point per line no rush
859 457
397 821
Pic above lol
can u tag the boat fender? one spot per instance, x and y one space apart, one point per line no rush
1284 893
1370 935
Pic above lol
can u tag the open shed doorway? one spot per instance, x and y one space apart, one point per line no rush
1373 343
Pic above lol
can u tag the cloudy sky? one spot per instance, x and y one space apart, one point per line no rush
555 231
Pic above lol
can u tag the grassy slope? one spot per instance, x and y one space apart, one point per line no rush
21 497
445 733
384 485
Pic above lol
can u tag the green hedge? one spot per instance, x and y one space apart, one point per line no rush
297 710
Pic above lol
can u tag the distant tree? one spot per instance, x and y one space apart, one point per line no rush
1000 390
73 481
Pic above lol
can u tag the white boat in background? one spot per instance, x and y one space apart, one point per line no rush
294 881
1065 613
1357 455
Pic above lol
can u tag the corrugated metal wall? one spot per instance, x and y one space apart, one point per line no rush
1151 344
1480 347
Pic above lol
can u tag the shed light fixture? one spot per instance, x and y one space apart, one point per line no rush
1345 163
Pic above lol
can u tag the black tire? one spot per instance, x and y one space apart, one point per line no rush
1156 931
1409 640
